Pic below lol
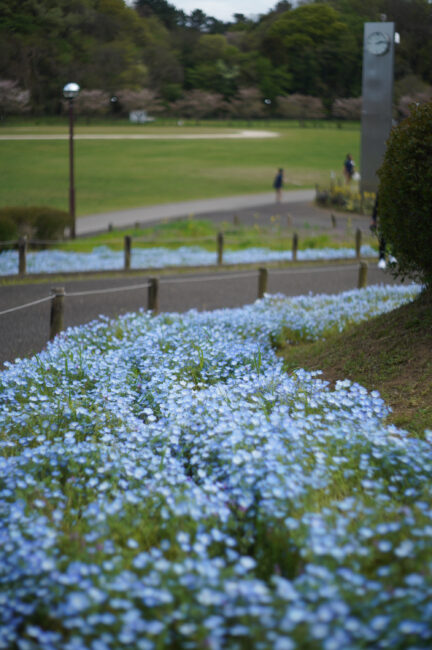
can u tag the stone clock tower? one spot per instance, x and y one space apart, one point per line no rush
377 93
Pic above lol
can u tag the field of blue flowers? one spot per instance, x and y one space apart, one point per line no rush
103 258
164 483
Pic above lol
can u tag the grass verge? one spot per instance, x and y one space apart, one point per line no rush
391 353
203 232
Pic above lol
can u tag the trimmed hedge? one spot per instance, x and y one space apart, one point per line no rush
8 229
405 195
37 222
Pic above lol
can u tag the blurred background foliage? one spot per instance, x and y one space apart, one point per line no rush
299 61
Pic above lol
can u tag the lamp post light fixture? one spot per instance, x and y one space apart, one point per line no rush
70 92
268 103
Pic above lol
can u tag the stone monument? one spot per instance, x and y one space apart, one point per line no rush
377 93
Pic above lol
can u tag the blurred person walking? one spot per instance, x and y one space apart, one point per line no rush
348 168
278 184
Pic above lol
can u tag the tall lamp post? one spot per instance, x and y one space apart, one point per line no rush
70 92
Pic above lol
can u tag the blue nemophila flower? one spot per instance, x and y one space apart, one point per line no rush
103 258
164 482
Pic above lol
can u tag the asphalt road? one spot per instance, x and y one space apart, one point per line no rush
219 209
26 331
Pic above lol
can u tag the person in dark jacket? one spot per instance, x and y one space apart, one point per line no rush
278 184
348 168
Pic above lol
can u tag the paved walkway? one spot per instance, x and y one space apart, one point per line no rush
25 332
124 218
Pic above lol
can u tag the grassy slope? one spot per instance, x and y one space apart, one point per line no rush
118 174
391 353
202 232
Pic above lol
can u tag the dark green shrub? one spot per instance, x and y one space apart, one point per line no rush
17 215
8 230
49 223
405 195
37 222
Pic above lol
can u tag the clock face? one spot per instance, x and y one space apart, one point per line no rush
377 43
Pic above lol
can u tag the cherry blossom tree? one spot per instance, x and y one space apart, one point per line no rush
347 108
248 103
92 102
406 102
136 100
302 107
13 99
198 104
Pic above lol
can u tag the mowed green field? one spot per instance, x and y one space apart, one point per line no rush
116 174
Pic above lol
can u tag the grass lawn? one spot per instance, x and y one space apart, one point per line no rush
391 353
116 174
203 232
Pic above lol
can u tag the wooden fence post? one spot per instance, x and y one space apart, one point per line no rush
362 275
294 247
57 312
127 252
153 295
333 220
236 220
262 281
358 242
22 255
220 247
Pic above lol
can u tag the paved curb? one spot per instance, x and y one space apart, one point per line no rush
125 218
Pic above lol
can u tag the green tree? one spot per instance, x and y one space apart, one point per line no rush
258 71
45 43
215 66
166 12
165 69
218 76
211 47
197 20
316 47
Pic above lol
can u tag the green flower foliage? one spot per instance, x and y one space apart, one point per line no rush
405 195
344 198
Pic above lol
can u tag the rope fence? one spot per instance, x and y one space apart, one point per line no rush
23 245
112 290
28 304
320 269
209 278
59 294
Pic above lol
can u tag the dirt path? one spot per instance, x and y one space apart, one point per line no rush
236 135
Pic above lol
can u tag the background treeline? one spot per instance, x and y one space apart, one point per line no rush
302 62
